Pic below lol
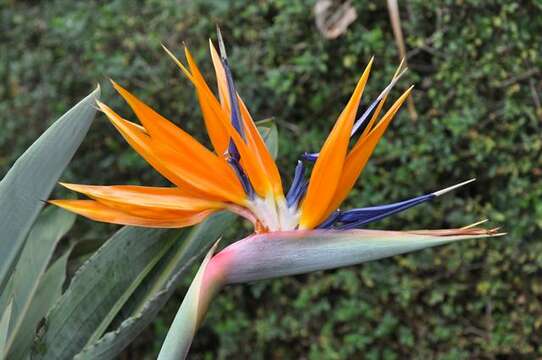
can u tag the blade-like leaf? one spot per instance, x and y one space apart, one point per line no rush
34 175
184 326
51 225
5 296
48 292
100 288
151 296
4 327
272 255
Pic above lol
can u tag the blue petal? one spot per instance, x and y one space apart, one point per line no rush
355 218
328 223
245 182
358 217
235 112
298 187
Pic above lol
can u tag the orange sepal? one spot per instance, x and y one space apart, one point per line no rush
249 159
258 146
381 103
360 154
154 198
183 171
254 140
327 169
213 114
221 81
97 211
165 132
251 163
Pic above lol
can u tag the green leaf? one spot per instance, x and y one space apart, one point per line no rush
159 286
4 328
100 288
270 135
5 296
50 227
184 326
279 254
33 176
47 293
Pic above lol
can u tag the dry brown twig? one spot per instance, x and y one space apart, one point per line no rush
393 9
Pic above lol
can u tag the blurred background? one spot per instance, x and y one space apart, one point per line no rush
476 66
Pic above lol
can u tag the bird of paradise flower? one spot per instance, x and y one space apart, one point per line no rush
297 231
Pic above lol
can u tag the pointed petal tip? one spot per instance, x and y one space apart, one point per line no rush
178 62
475 224
221 46
453 187
56 202
103 108
64 184
369 66
73 187
164 47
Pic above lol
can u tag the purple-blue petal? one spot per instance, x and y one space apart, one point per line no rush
356 218
245 182
298 187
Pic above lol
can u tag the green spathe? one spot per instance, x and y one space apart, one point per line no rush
270 255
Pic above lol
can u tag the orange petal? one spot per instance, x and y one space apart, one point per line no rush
251 163
213 115
253 138
327 169
164 131
182 170
258 146
360 154
99 212
222 83
179 64
249 159
381 103
154 198
141 143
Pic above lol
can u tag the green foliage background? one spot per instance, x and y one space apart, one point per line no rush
477 68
